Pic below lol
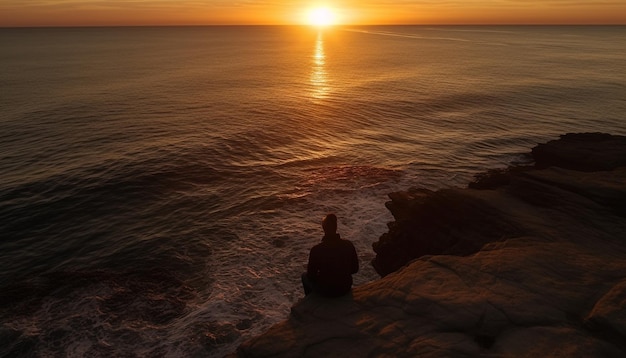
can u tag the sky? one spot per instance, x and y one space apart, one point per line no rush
252 12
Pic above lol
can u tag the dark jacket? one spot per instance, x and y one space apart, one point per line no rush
331 265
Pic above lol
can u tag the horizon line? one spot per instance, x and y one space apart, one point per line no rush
303 25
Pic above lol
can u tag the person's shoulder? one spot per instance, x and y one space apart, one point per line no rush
317 247
346 242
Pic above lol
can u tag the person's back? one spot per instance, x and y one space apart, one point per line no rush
331 263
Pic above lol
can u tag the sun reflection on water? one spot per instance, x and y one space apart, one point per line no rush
319 76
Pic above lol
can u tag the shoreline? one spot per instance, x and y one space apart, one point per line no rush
526 254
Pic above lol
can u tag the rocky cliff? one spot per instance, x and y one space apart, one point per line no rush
528 261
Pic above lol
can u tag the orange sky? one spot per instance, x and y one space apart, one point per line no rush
206 12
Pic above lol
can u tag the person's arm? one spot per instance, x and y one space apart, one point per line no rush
355 260
313 265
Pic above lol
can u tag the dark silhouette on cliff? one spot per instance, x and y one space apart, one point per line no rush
331 263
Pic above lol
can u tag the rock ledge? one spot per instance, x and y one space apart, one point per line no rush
525 262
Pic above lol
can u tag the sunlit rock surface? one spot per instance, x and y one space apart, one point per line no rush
527 262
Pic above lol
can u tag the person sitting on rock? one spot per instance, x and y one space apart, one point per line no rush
331 263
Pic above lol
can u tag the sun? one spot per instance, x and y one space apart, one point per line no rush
321 17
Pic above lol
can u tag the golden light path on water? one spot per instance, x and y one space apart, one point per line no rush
319 76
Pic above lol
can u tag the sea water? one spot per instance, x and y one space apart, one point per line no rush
160 187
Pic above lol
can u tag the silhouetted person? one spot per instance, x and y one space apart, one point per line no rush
331 263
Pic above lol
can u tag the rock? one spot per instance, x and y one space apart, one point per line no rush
450 221
528 266
448 306
460 222
582 152
608 316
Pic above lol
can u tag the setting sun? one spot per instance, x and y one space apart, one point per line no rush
321 16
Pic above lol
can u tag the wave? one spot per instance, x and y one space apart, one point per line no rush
406 35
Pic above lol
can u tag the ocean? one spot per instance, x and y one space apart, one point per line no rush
160 188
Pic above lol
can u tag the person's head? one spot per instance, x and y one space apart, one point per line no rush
329 224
